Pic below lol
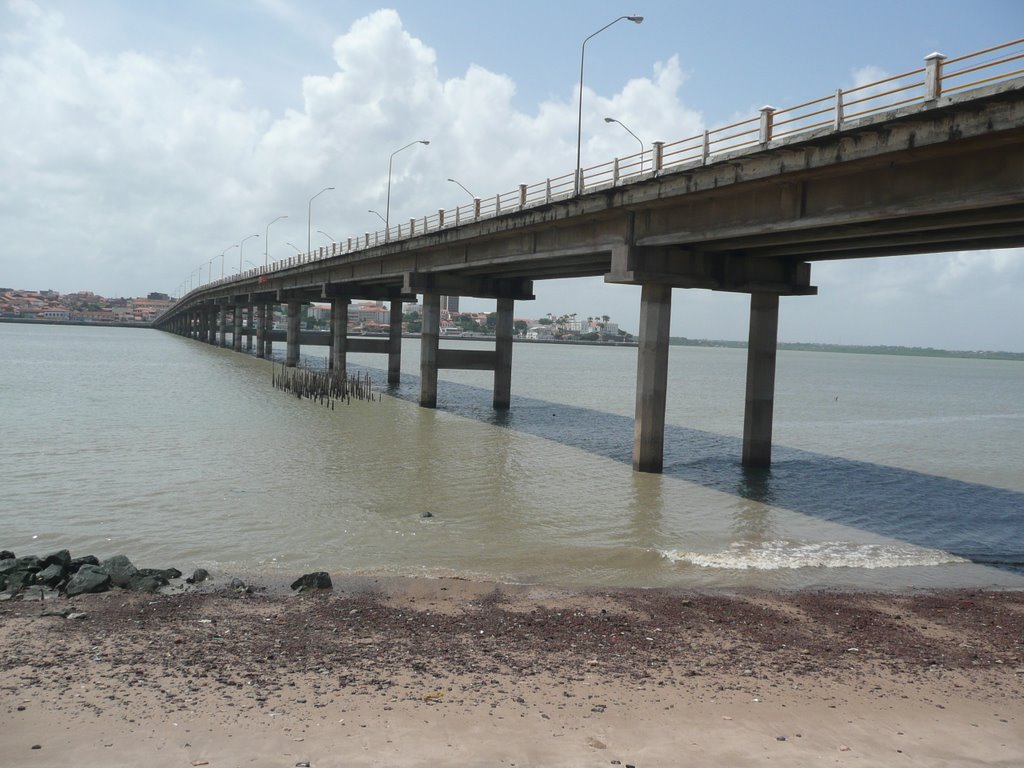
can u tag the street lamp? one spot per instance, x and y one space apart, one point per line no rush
249 237
222 260
454 181
379 217
309 219
210 271
321 232
293 245
266 241
579 119
613 120
387 206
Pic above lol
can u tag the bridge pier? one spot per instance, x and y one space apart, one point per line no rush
223 317
339 336
236 329
760 398
652 377
294 322
250 327
503 355
261 330
268 344
395 342
429 335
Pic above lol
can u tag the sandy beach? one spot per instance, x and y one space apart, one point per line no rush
429 672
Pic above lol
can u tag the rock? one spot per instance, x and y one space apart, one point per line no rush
78 562
61 557
8 565
38 593
238 585
163 573
30 563
198 576
19 580
120 569
52 575
141 582
316 580
88 579
3 581
425 515
6 554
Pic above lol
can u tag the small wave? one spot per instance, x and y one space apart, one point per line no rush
779 555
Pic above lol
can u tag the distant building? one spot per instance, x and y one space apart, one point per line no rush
450 303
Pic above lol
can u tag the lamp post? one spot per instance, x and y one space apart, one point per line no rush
266 241
248 237
387 205
210 276
309 218
379 217
321 232
293 245
613 120
222 260
454 181
579 120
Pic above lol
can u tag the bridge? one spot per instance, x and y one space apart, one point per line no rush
926 161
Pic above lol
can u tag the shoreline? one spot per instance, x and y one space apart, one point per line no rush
422 671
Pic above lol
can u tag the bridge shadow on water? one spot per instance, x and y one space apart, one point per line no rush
974 521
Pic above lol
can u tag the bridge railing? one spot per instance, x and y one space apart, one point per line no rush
939 75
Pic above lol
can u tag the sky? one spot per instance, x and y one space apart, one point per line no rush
138 141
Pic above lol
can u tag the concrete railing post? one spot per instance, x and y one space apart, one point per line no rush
476 208
658 156
440 218
522 196
615 171
705 151
547 191
933 76
838 122
767 119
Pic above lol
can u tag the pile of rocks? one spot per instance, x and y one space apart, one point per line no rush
33 577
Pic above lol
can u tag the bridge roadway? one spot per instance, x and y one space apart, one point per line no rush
943 175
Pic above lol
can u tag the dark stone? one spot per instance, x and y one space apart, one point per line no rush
52 575
120 569
61 558
78 562
238 584
88 579
6 554
3 581
30 563
146 583
164 573
198 575
38 593
10 565
19 580
425 515
317 580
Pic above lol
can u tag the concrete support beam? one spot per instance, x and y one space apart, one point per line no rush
468 285
211 325
268 344
250 326
395 342
339 336
429 336
760 400
652 378
261 330
223 314
503 354
236 332
294 323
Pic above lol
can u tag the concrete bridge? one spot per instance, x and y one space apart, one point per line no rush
928 161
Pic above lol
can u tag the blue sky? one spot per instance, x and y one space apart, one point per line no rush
139 140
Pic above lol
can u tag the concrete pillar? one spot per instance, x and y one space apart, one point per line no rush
261 330
294 328
211 326
503 354
223 326
760 403
428 349
236 331
268 345
339 336
249 327
395 342
652 377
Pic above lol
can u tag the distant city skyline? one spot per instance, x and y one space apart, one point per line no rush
147 143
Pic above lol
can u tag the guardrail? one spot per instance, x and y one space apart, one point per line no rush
939 75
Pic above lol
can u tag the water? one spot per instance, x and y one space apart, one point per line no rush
889 471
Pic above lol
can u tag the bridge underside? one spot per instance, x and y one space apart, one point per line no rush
945 176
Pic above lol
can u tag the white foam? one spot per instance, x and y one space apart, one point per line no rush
779 555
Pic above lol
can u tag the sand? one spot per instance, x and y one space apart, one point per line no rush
423 672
